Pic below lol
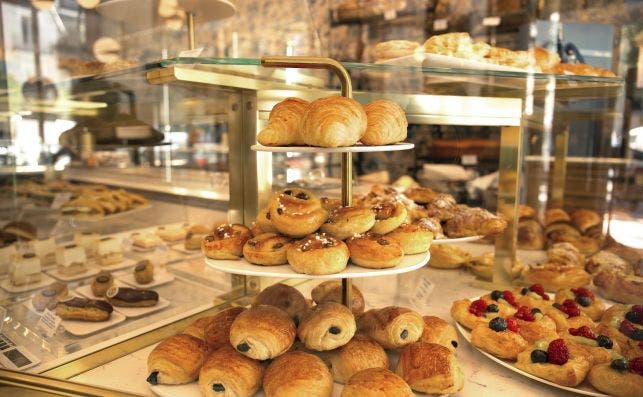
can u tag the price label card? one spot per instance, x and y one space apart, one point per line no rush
440 24
60 199
48 323
491 21
390 14
423 289
469 159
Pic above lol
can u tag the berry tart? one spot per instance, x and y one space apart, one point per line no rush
534 325
584 341
552 360
469 314
624 324
501 337
588 303
505 299
568 315
620 377
532 296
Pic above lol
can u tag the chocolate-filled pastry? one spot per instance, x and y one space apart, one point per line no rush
327 326
391 326
360 353
217 331
433 225
226 241
264 222
226 372
584 219
530 235
318 254
439 332
374 251
414 239
24 231
81 309
474 221
389 216
48 297
331 291
297 374
144 272
345 222
267 249
262 332
443 207
197 328
376 382
617 378
102 282
555 215
176 360
296 212
430 368
284 297
131 297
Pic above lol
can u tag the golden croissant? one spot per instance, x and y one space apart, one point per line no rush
386 123
283 123
333 122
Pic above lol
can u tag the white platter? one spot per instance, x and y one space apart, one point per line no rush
359 148
456 240
82 328
241 266
160 278
6 285
91 271
448 62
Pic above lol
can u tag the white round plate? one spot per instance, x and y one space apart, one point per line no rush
346 149
241 266
456 240
139 13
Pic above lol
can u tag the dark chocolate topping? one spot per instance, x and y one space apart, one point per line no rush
133 295
91 303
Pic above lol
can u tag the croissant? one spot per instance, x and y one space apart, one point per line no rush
554 215
333 122
284 297
358 354
197 328
226 372
297 374
283 127
392 326
331 291
176 360
474 221
585 219
376 382
262 332
430 368
327 326
217 331
386 123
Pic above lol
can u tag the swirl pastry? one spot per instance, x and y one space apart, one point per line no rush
284 123
553 362
500 337
285 298
386 123
217 331
267 249
331 291
226 241
262 332
264 221
391 326
226 372
345 222
414 239
447 256
333 122
433 225
318 254
374 251
358 354
587 302
388 216
376 382
617 378
430 368
176 360
297 374
474 221
330 204
327 326
297 212
439 332
530 235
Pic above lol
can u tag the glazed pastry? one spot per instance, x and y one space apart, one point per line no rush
414 239
568 315
331 291
374 251
439 332
131 297
285 298
625 288
264 222
430 368
197 328
194 236
217 331
470 314
48 297
102 282
386 123
552 361
345 222
226 242
176 360
532 296
500 338
473 222
376 382
622 323
318 254
296 212
296 374
584 342
534 325
330 204
284 123
358 354
391 326
587 301
618 378
144 272
388 216
81 309
262 332
554 215
447 256
333 122
420 195
226 372
433 225
327 326
530 235
267 249
585 219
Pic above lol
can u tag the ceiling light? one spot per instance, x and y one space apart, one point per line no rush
89 4
43 5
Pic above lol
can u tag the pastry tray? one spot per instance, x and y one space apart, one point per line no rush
129 312
448 62
359 148
241 266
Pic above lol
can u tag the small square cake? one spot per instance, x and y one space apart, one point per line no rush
109 251
45 249
71 260
172 233
145 240
8 255
26 270
89 242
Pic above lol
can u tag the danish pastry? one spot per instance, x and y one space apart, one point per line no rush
388 216
534 325
618 378
318 254
226 372
470 314
447 256
331 291
176 360
327 326
374 251
587 301
264 222
262 332
391 326
296 212
217 331
284 123
285 298
622 323
226 241
568 315
552 361
267 249
499 337
439 332
330 204
345 222
386 123
433 225
474 221
584 342
358 354
430 368
532 296
296 374
376 382
414 239
333 122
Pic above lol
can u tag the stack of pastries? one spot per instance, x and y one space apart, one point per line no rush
564 338
289 347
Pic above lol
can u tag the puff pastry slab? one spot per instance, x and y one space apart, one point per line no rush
430 368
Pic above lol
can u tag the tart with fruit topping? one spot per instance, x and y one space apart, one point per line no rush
532 296
583 340
624 324
554 361
505 299
534 325
501 337
620 377
587 301
469 314
568 315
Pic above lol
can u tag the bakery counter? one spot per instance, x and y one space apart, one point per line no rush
429 291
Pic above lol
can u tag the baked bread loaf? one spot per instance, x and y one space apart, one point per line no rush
376 382
499 337
285 298
176 360
440 332
413 238
262 332
333 122
392 327
226 241
358 354
131 297
331 291
318 254
327 326
296 374
267 249
386 123
284 123
388 216
617 382
217 331
345 222
296 212
447 256
226 372
430 368
48 297
81 309
374 251
144 272
566 370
